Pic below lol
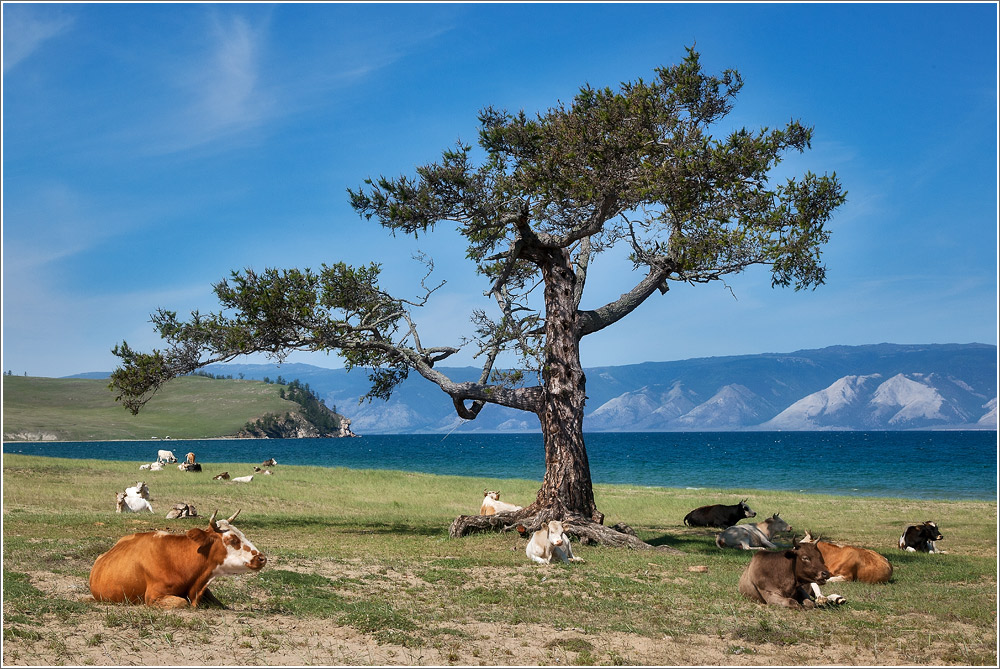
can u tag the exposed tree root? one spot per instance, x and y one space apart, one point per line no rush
527 520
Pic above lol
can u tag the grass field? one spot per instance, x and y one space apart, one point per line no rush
361 571
190 407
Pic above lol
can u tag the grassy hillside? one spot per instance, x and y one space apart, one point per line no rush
361 572
191 407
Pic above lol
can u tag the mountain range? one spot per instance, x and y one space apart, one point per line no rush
875 387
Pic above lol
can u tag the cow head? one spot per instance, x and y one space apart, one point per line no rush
555 530
809 565
492 494
930 531
747 511
227 544
776 525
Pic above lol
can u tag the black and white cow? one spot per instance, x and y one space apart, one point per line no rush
920 538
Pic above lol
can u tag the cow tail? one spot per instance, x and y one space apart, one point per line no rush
718 540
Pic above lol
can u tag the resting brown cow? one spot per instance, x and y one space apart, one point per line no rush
850 563
173 570
783 578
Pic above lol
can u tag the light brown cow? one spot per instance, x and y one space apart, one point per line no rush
173 570
850 563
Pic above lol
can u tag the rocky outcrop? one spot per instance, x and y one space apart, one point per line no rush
30 436
291 426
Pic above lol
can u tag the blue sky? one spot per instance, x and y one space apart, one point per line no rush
149 149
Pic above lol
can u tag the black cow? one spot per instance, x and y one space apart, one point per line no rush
785 578
920 538
719 515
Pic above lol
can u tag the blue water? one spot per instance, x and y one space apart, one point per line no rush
922 465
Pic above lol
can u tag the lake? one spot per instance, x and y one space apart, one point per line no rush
921 465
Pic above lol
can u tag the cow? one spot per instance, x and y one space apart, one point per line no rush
182 510
784 577
719 515
173 570
850 563
267 472
166 457
189 459
549 542
224 476
146 466
140 489
492 505
921 538
752 537
242 479
125 503
189 466
269 463
155 467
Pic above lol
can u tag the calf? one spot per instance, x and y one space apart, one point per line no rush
492 505
242 479
783 578
269 463
549 542
921 538
167 457
182 510
224 476
752 537
719 515
173 570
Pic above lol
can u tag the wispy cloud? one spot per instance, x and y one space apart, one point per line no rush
25 31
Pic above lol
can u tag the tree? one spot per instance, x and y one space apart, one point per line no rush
637 166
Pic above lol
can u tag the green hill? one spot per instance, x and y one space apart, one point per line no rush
192 407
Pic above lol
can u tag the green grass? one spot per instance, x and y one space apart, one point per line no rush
369 550
191 407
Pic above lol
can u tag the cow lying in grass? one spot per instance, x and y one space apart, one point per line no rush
173 570
921 538
752 537
135 499
550 542
492 505
784 578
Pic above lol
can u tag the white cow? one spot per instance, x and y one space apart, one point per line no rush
492 505
131 504
140 489
166 456
549 542
242 479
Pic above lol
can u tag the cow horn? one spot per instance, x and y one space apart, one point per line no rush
233 517
211 521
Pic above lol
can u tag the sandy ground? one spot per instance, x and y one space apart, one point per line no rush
127 636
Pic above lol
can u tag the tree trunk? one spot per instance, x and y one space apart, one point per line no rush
567 493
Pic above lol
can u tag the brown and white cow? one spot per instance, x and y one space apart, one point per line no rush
752 537
173 570
550 542
783 578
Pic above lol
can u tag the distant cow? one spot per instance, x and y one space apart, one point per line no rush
155 467
167 457
719 515
492 505
140 489
173 570
550 542
189 466
224 476
242 479
269 463
189 459
182 510
784 578
752 537
920 538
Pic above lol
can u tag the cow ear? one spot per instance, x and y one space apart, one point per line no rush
789 555
197 535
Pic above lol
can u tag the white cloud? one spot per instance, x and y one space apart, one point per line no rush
24 32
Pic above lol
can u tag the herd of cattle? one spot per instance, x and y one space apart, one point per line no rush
175 570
